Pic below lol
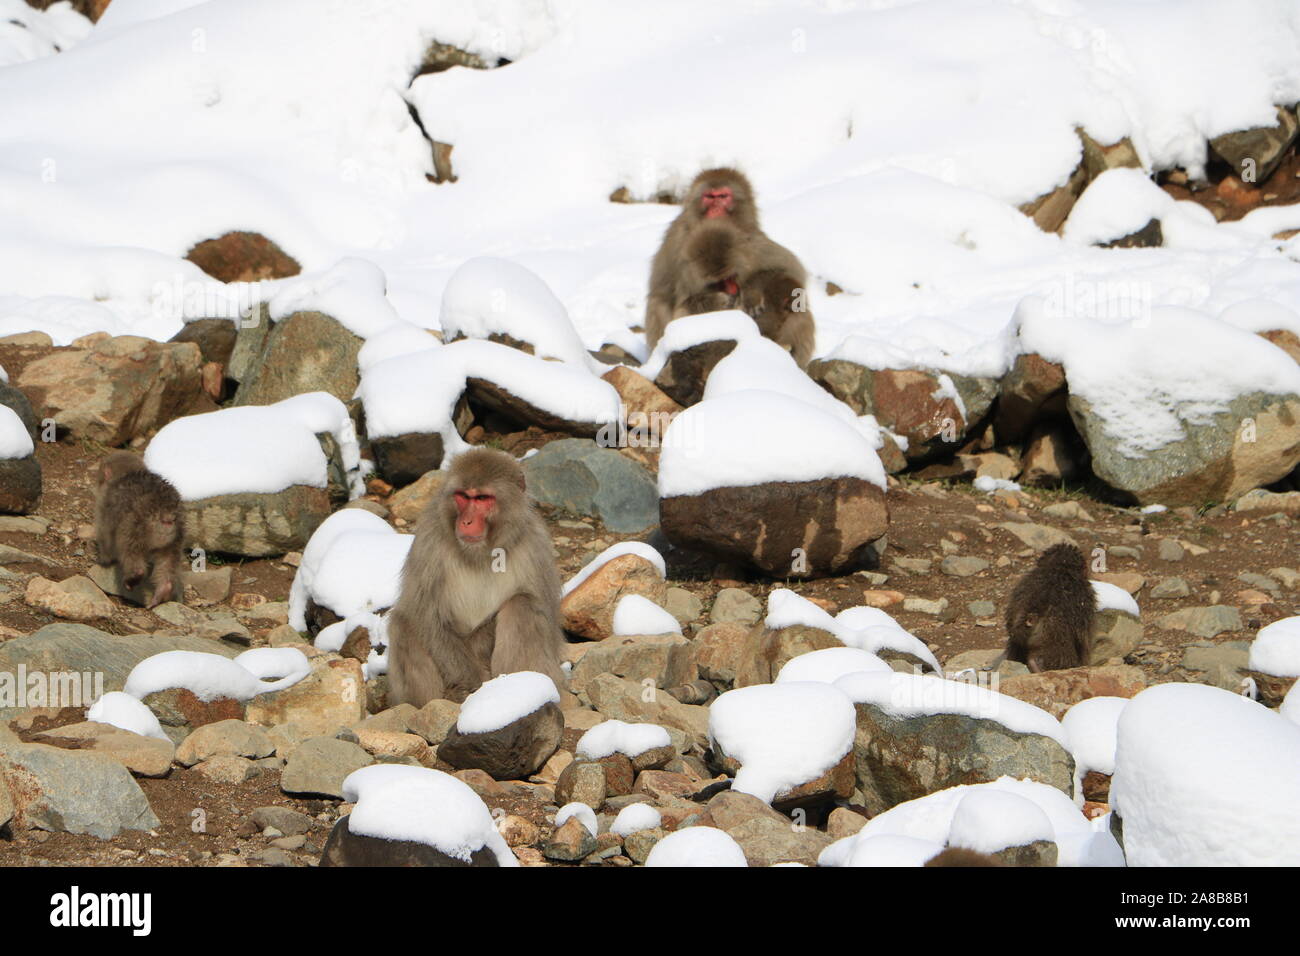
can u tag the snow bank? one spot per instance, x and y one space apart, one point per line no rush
783 735
126 712
488 296
27 33
829 665
635 614
1112 597
505 699
754 437
1149 377
615 736
350 291
207 676
255 448
321 542
586 816
697 846
634 817
887 850
1206 777
15 441
866 628
612 552
1090 732
270 663
987 821
424 806
417 391
1080 842
1276 648
359 571
1116 204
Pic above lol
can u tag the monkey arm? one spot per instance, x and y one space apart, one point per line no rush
527 639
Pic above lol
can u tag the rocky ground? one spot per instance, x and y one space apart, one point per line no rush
1206 582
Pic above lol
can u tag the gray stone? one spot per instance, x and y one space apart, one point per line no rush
75 649
1223 665
285 819
319 765
257 525
683 605
345 848
733 605
72 791
1203 621
1115 633
1171 588
512 752
585 479
1040 537
958 566
668 660
1170 550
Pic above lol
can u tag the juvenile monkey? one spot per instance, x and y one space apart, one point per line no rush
714 256
139 525
480 593
1050 613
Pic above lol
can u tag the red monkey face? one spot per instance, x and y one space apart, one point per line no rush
474 510
716 203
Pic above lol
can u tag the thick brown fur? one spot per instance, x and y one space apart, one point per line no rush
959 856
1050 613
468 612
139 526
698 255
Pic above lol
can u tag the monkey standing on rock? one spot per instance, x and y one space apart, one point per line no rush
714 256
1050 614
480 593
139 525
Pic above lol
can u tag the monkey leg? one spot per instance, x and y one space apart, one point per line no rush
527 639
711 300
658 313
797 335
164 580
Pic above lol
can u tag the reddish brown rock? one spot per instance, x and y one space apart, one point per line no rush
1058 691
686 371
767 651
242 257
588 610
1033 389
783 528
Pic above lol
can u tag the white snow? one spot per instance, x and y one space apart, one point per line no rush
1206 777
690 330
344 521
488 295
271 663
255 448
27 33
207 676
1079 842
753 437
828 665
635 614
887 850
1152 373
988 484
332 637
612 552
866 628
1090 731
783 735
586 816
1117 203
15 441
615 736
417 391
353 568
1290 706
917 695
505 699
634 817
395 802
1276 648
987 821
126 712
1112 597
697 846
350 291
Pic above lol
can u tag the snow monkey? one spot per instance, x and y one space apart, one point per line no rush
480 592
1050 614
714 256
139 525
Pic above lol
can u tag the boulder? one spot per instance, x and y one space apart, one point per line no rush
585 479
588 610
345 848
686 371
783 528
302 352
512 752
257 525
242 257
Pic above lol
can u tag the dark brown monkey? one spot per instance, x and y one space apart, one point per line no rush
480 593
714 256
959 856
139 525
1050 614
